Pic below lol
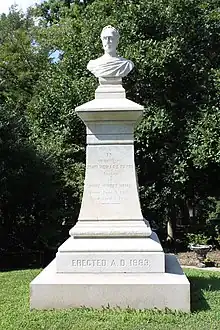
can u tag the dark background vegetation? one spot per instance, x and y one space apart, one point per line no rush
175 45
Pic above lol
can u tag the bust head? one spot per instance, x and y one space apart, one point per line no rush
110 65
110 39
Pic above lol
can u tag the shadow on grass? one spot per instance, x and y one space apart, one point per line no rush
198 285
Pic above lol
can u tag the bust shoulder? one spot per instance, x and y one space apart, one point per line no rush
108 66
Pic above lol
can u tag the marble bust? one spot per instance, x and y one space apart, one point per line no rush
110 64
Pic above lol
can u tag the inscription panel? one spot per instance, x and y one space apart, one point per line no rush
110 263
106 129
145 262
109 193
110 174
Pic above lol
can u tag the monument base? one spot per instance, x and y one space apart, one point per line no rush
135 290
111 255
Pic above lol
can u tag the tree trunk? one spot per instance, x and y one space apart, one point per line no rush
170 234
171 227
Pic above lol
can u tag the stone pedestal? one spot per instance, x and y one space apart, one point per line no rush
135 290
110 205
112 257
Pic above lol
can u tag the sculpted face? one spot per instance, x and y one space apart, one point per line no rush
109 37
110 65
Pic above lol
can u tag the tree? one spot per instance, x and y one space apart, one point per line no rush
20 60
51 11
33 197
175 48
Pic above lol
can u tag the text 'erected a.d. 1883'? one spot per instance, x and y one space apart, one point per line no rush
110 263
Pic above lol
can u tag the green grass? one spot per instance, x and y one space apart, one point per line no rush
15 313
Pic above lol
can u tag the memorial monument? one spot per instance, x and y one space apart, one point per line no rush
112 257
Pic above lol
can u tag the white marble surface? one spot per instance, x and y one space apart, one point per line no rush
110 186
112 257
149 244
136 290
110 262
110 64
126 255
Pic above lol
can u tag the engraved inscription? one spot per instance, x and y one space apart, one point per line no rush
110 168
109 193
110 263
89 263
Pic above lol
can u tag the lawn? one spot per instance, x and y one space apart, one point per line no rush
15 313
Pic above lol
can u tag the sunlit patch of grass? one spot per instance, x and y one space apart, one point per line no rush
15 313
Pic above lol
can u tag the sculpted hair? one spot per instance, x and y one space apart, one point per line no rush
114 31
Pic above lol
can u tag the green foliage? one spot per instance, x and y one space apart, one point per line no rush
51 11
175 48
198 239
20 61
34 198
